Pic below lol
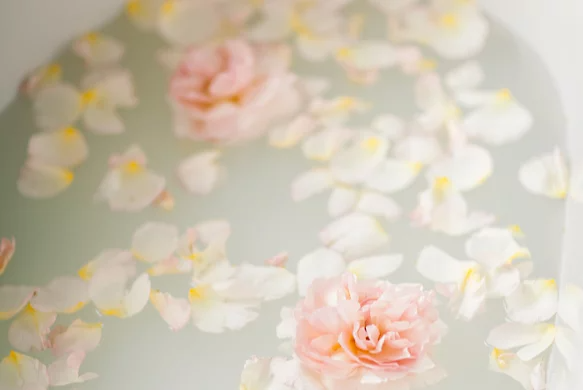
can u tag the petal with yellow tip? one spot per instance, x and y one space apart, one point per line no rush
38 181
62 148
13 299
174 311
65 294
533 301
78 336
546 175
19 372
28 332
57 106
153 242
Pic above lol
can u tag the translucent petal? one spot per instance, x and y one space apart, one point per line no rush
508 363
62 148
103 120
533 301
138 295
393 176
7 249
40 78
467 168
379 206
342 200
175 311
200 172
438 266
418 149
217 317
65 370
286 329
79 336
311 183
110 258
144 13
375 267
321 263
494 247
503 281
510 335
256 374
13 299
531 351
184 23
570 308
57 106
367 55
110 88
39 181
546 175
335 112
324 144
171 266
569 346
290 134
472 295
469 75
355 163
29 330
390 126
21 372
98 50
154 242
65 294
213 231
107 289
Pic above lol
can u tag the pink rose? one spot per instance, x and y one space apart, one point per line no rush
232 91
348 330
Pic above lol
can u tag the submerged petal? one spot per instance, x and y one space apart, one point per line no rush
546 175
13 299
62 148
199 173
321 263
40 181
66 294
311 183
154 242
175 311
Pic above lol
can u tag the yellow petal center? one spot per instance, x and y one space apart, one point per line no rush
88 97
504 96
168 7
132 167
343 53
427 64
92 38
68 176
371 144
498 356
299 27
84 273
115 312
196 293
134 8
449 20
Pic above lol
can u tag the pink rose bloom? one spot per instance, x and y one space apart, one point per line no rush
233 91
367 331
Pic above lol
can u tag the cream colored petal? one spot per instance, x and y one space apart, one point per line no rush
367 55
494 247
286 329
131 191
291 133
13 299
509 364
324 144
98 50
251 283
375 267
112 87
393 176
422 149
184 23
39 181
311 183
570 307
62 148
79 336
174 311
110 258
458 35
154 241
65 294
355 163
29 330
503 281
378 205
21 372
171 266
511 335
467 168
200 172
469 75
472 295
57 106
533 301
144 13
137 297
436 265
390 126
107 290
218 316
65 370
341 201
321 263
531 351
256 374
546 175
103 120
40 78
213 231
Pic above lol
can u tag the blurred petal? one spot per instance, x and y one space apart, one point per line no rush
29 330
321 263
393 176
546 175
568 344
286 329
41 78
531 351
311 183
199 173
13 299
324 144
467 168
570 308
138 295
171 266
62 148
342 200
290 134
103 120
144 13
184 23
122 260
533 301
65 294
493 247
57 106
65 370
256 374
98 50
422 149
39 181
21 372
379 206
510 335
375 267
79 336
213 231
438 266
469 75
355 163
175 311
389 126
510 364
7 248
154 242
216 317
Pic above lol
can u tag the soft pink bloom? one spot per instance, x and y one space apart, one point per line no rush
347 329
232 91
7 248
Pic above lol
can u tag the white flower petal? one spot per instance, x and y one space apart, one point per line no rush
57 106
154 241
256 374
569 345
531 351
213 231
290 134
546 175
355 163
175 311
510 335
200 172
570 308
378 205
342 200
469 75
321 263
392 176
467 168
39 181
251 282
144 13
286 329
438 266
21 372
103 120
493 247
533 301
65 370
367 55
184 23
41 78
110 88
62 148
79 336
503 281
13 299
322 145
510 364
217 317
389 126
66 294
110 258
138 295
29 330
98 50
375 267
311 183
422 149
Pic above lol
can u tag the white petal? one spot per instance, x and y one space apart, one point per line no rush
21 372
199 173
171 266
570 308
137 297
79 336
110 88
568 344
286 329
41 78
29 330
510 335
98 50
503 281
57 106
256 374
368 54
62 148
422 149
467 168
472 295
216 317
103 120
378 205
251 282
175 311
390 126
322 145
533 301
335 112
321 263
392 176
144 13
438 266
39 181
511 365
154 242
185 23
355 163
13 299
66 294
493 247
290 134
546 175
213 231
342 200
107 290
375 267
110 258
466 76
311 183
531 351
65 371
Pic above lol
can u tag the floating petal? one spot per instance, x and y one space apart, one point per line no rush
62 148
66 294
324 144
546 175
79 336
40 181
199 173
65 370
342 200
7 248
21 372
29 330
321 263
438 266
13 299
468 167
375 267
311 183
175 311
98 50
154 242
379 206
392 176
57 106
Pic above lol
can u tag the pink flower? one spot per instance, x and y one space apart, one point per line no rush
7 248
351 330
232 91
